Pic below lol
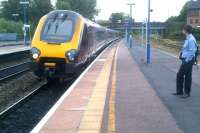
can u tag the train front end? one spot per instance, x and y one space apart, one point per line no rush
55 44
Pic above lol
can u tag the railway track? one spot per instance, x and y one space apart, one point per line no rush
21 117
25 114
11 71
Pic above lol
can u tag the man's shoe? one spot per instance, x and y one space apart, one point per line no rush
185 96
177 94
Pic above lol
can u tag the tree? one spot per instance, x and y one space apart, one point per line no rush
11 7
118 17
85 7
11 27
105 23
39 8
63 5
175 24
36 9
183 14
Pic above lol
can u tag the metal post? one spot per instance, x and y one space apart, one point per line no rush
126 34
131 9
24 25
142 34
131 12
24 4
148 48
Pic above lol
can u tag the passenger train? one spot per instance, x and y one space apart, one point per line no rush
64 41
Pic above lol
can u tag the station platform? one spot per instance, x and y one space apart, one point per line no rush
13 49
115 94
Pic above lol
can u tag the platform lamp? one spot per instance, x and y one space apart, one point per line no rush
131 9
131 4
25 4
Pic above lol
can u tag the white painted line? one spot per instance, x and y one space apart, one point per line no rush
66 94
167 53
78 109
101 60
170 54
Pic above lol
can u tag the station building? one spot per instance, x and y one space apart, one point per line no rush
193 14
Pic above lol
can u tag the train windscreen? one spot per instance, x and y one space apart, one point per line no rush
57 30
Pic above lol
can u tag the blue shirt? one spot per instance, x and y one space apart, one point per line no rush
189 48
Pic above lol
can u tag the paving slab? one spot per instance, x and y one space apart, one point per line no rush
161 74
138 108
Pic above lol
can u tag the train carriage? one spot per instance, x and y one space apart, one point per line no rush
64 41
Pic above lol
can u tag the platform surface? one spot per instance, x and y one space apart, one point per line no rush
13 49
161 74
138 108
120 93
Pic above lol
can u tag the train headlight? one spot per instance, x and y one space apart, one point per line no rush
35 53
71 55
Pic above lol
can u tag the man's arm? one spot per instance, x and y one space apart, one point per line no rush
191 46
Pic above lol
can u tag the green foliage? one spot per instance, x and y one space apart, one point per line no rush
11 7
63 5
35 10
183 14
39 8
197 34
85 7
7 26
176 23
118 17
174 28
105 23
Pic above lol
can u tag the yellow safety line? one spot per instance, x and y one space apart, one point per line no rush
112 116
92 118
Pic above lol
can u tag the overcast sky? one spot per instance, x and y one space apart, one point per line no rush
162 8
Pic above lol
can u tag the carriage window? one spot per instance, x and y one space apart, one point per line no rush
57 30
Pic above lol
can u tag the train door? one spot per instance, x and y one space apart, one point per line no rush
84 45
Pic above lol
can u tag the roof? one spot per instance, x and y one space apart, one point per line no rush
194 4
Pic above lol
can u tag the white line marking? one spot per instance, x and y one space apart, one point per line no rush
170 54
59 102
167 53
78 109
101 60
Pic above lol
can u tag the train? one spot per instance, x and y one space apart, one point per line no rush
64 41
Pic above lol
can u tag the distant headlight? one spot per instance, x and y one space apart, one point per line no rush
35 53
71 55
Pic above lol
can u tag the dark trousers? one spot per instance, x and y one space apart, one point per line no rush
184 78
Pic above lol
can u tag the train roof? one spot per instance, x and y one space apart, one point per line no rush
87 21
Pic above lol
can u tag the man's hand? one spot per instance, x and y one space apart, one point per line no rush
180 56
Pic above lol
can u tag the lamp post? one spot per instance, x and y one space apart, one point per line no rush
131 9
24 4
148 47
130 19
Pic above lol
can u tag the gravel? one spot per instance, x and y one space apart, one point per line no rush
13 91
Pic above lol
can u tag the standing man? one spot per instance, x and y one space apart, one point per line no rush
187 55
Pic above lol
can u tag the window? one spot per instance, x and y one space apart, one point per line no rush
196 21
57 30
191 21
193 13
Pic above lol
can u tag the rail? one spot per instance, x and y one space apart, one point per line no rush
15 70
